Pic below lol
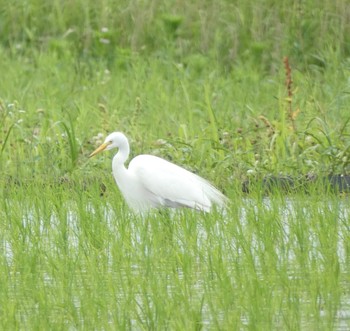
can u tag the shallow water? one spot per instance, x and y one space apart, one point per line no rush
250 213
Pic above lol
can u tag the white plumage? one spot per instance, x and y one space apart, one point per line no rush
152 182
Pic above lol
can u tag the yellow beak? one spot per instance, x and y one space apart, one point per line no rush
100 149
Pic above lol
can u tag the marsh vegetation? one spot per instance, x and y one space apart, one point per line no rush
233 91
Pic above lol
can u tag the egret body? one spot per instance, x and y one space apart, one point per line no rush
152 182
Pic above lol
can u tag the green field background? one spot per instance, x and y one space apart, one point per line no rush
203 82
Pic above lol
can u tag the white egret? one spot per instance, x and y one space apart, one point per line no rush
152 182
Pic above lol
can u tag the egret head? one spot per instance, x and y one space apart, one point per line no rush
114 140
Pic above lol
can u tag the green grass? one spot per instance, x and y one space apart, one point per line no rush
73 261
202 84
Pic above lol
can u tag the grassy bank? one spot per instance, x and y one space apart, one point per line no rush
65 83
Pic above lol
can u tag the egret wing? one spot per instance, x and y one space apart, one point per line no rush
173 186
